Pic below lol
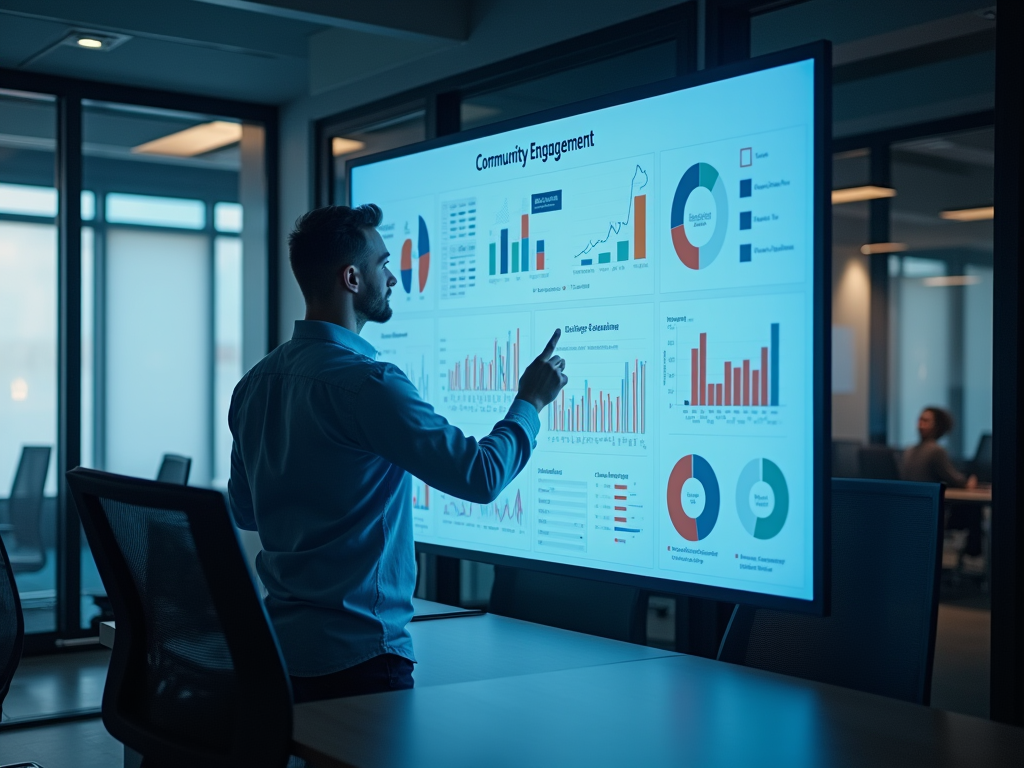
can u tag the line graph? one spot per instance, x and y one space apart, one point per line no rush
636 212
498 512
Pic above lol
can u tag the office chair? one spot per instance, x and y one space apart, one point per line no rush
174 469
196 676
579 605
12 633
981 466
878 462
880 634
845 458
25 510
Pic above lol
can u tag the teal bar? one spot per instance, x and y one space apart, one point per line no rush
623 254
604 258
494 258
515 256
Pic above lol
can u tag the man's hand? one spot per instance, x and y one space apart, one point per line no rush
544 378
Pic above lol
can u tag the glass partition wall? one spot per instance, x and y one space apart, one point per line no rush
176 285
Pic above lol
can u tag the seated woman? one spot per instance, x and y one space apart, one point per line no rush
928 462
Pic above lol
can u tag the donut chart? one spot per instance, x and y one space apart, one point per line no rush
762 499
423 257
693 497
700 215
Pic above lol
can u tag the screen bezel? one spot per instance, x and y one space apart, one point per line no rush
821 55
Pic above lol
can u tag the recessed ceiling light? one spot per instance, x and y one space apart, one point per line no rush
340 146
869 249
92 40
193 141
969 214
856 194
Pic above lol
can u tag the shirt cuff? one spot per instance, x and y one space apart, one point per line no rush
525 415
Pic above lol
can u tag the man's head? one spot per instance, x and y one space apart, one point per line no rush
337 255
934 422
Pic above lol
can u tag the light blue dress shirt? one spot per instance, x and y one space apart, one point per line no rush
325 437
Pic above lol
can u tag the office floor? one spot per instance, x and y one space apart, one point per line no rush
84 744
59 684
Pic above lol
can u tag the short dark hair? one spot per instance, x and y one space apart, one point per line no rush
943 420
326 239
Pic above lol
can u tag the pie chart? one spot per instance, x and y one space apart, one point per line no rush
422 256
693 497
700 215
762 499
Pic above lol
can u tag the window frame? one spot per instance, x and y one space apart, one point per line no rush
69 93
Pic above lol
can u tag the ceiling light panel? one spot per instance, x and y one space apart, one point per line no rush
341 146
869 249
857 194
92 40
197 140
970 214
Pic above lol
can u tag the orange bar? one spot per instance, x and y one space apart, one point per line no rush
756 389
640 227
764 375
526 225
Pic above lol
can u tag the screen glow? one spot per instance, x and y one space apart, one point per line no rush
671 239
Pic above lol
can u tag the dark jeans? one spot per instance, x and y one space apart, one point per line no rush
377 675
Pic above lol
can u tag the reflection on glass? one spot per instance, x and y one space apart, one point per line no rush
28 352
941 289
376 135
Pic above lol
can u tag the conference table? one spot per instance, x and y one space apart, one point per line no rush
496 691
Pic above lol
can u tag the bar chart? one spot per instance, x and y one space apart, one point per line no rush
479 362
495 370
509 249
622 411
742 384
731 366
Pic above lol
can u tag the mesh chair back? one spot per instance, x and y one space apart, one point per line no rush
12 624
579 605
880 634
196 676
25 506
174 469
878 462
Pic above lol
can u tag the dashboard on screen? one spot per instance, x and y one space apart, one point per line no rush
675 236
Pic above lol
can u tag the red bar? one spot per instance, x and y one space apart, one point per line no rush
728 383
711 394
764 375
694 376
746 382
620 487
526 226
540 260
703 365
718 394
634 398
757 390
737 375
620 498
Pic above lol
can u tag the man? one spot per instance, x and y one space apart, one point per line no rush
324 440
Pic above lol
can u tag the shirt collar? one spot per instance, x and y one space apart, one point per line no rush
324 331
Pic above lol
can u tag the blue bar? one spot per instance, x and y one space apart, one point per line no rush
524 255
586 262
627 530
504 251
774 395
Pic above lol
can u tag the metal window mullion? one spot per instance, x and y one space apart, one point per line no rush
69 362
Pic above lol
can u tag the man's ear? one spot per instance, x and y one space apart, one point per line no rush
350 277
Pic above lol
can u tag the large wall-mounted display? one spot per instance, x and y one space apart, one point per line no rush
675 235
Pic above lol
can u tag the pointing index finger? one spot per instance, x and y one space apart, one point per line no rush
549 350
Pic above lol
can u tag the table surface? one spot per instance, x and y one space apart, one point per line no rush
662 711
982 495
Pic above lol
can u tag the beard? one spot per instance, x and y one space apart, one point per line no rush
375 308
